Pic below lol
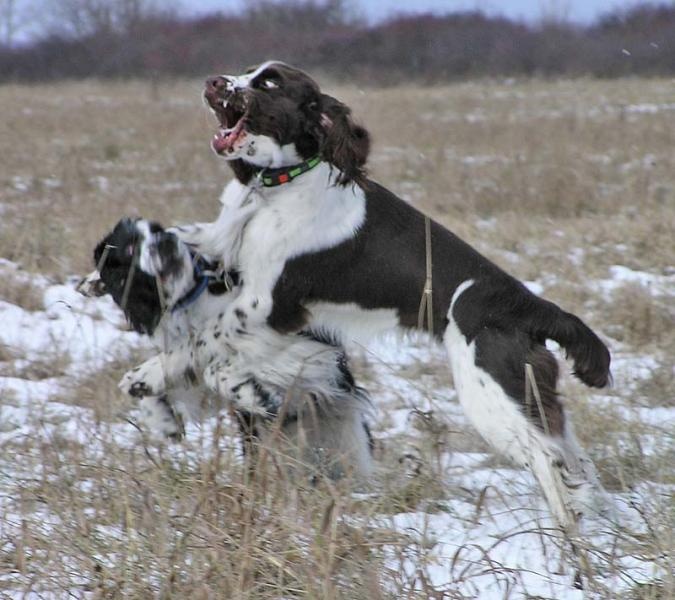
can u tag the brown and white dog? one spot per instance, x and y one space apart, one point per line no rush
320 246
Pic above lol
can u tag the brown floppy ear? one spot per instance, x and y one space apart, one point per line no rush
345 144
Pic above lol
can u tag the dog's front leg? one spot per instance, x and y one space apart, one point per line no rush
159 416
147 379
192 234
147 382
240 389
222 237
157 374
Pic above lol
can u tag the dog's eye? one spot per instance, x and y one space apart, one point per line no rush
269 84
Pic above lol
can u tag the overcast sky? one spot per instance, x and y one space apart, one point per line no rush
581 11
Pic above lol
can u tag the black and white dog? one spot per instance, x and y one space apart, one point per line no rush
298 383
319 245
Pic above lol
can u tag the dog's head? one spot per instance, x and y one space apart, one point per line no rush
275 115
145 269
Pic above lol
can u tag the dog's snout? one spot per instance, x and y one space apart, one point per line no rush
92 285
216 83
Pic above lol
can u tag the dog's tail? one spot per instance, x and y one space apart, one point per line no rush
590 355
507 304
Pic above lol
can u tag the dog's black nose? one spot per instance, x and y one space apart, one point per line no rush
216 83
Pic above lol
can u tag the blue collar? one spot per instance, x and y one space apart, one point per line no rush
202 281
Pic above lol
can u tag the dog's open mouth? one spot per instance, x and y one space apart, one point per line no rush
231 115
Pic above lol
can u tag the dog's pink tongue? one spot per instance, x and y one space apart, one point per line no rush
220 142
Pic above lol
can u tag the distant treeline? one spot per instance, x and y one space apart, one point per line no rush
321 36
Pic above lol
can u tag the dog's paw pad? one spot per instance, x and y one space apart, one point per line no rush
145 380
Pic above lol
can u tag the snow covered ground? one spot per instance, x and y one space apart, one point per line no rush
487 535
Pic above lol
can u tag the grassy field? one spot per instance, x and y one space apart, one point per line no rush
569 185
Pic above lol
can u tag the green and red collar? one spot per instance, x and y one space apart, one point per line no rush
274 177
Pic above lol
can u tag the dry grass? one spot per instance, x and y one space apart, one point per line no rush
556 181
22 293
146 527
640 320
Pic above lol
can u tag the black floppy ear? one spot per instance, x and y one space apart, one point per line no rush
345 144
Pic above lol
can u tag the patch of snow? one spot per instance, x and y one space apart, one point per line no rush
11 269
629 371
52 183
21 183
78 334
478 160
658 285
535 287
649 108
487 223
576 256
648 161
490 537
101 182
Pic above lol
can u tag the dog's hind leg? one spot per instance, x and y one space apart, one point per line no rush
250 436
335 440
527 426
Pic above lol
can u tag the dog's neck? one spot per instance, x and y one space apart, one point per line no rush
279 159
192 287
283 175
205 277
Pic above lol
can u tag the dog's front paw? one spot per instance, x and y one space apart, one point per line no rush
193 234
160 418
146 379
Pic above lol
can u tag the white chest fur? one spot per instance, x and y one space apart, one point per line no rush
309 214
259 228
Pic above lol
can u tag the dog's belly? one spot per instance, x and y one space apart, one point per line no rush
350 322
